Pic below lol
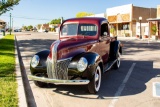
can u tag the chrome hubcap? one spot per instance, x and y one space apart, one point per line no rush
118 62
97 78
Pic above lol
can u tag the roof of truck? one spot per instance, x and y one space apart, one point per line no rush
100 19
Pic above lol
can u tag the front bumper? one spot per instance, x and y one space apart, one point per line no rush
57 81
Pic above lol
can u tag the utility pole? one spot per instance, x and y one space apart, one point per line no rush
61 20
10 24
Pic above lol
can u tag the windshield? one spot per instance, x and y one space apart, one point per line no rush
79 29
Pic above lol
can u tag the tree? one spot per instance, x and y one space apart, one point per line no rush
39 26
6 5
24 27
56 21
83 14
30 27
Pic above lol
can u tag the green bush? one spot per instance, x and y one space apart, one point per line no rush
53 29
154 29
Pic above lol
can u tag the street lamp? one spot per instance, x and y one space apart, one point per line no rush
140 19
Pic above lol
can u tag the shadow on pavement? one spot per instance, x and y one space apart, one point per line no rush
141 74
35 45
139 46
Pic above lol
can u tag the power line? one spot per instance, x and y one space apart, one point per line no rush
31 18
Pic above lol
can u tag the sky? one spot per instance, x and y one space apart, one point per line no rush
33 12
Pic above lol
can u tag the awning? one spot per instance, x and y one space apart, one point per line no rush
153 19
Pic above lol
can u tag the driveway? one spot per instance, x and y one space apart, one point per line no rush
129 86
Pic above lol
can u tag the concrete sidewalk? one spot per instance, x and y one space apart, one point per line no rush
1 36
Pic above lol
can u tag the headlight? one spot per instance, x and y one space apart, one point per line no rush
35 61
82 64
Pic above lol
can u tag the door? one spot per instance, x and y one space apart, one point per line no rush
104 43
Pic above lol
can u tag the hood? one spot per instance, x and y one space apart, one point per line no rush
73 42
72 46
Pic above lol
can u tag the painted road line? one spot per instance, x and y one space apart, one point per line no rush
156 89
121 87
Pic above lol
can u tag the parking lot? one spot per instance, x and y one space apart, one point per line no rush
130 86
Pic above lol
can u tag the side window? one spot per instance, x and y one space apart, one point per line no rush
64 30
87 29
104 28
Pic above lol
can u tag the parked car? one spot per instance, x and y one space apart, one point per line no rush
17 30
2 30
46 31
82 54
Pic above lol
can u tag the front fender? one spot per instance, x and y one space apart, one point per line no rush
42 67
93 60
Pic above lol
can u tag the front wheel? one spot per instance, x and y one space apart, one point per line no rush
38 83
95 82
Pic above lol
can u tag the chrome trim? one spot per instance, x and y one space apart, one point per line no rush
64 59
61 69
57 69
54 59
57 81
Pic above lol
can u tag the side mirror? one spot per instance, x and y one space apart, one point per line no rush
105 34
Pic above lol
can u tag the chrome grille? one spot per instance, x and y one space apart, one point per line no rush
60 71
49 69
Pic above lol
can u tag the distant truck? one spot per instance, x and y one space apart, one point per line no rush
82 54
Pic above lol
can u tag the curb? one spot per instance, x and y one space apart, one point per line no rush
20 89
30 101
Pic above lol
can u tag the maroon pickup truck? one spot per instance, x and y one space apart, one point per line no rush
82 54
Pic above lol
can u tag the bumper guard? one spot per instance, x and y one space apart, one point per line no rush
57 81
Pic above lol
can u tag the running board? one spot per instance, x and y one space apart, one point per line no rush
109 65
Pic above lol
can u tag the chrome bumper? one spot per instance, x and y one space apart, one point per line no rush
57 81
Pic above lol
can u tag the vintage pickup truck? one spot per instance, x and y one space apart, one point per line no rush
82 54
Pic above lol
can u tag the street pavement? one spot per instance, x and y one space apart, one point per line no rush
130 86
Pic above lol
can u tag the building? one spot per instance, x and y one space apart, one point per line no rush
44 27
2 24
154 25
123 19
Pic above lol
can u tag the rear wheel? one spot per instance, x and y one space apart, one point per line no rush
38 83
95 82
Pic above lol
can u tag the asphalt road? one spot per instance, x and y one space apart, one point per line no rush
129 86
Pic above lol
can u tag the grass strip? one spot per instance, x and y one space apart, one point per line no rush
8 84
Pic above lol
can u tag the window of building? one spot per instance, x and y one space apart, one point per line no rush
123 26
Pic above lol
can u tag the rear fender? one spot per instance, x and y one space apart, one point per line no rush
115 49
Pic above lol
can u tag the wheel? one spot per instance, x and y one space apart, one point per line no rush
95 82
38 83
117 63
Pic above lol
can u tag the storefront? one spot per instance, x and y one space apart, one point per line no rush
123 19
154 25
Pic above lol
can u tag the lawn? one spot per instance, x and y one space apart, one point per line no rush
8 84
